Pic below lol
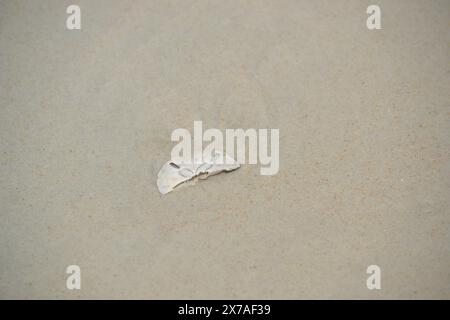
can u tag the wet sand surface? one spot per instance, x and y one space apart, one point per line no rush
85 123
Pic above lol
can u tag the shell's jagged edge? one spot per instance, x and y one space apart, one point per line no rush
170 177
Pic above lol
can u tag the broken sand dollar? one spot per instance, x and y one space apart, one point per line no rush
172 174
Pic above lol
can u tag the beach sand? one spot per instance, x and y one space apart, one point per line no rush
86 118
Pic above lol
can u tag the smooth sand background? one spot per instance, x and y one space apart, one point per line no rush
364 119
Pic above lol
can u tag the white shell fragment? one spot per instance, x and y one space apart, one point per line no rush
172 174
